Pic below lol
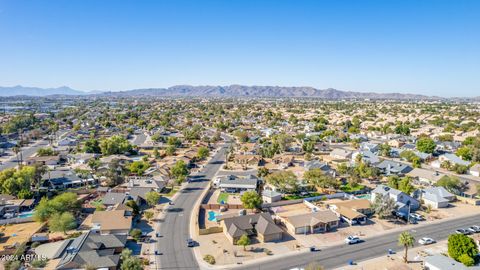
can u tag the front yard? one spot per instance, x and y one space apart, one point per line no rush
222 197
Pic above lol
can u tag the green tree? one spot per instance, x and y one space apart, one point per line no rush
262 172
450 183
174 141
115 145
130 262
65 202
465 153
179 170
135 209
139 167
406 240
459 244
12 181
92 146
202 152
383 206
283 180
426 145
62 222
152 198
466 260
243 241
319 179
405 185
170 150
148 215
42 152
136 234
251 200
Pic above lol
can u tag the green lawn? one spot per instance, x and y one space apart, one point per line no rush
222 197
349 188
171 192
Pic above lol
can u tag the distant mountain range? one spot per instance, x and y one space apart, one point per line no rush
39 92
219 91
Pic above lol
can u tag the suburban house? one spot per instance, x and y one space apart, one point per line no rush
260 225
101 251
81 158
284 161
341 154
114 198
314 222
404 202
366 157
67 142
63 179
270 196
315 164
389 167
437 197
475 170
43 160
236 184
111 222
153 183
372 147
452 158
353 211
442 262
252 160
11 207
426 176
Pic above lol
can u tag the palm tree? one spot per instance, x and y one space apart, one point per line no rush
406 240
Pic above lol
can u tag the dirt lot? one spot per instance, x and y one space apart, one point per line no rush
18 233
224 252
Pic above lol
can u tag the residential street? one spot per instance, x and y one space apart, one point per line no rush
174 228
339 255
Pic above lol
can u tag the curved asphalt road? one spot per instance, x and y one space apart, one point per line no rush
174 228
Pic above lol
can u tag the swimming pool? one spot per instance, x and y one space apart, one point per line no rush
364 196
212 216
25 214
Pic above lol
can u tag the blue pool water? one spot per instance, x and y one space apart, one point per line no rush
212 216
365 196
25 215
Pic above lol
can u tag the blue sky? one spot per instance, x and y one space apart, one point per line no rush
428 47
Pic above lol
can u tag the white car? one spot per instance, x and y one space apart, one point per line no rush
426 241
352 239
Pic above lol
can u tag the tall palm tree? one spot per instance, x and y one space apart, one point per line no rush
406 240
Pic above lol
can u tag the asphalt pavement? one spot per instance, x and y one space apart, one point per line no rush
174 226
339 255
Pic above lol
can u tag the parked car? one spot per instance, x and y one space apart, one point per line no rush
352 239
474 229
417 216
426 241
190 242
463 231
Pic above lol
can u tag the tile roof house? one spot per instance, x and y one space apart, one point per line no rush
442 262
404 202
252 160
111 222
235 184
260 225
101 251
64 178
113 198
353 211
314 222
437 197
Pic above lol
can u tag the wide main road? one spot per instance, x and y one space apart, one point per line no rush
339 255
174 226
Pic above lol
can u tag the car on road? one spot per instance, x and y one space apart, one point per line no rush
463 231
474 229
190 242
352 239
426 241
